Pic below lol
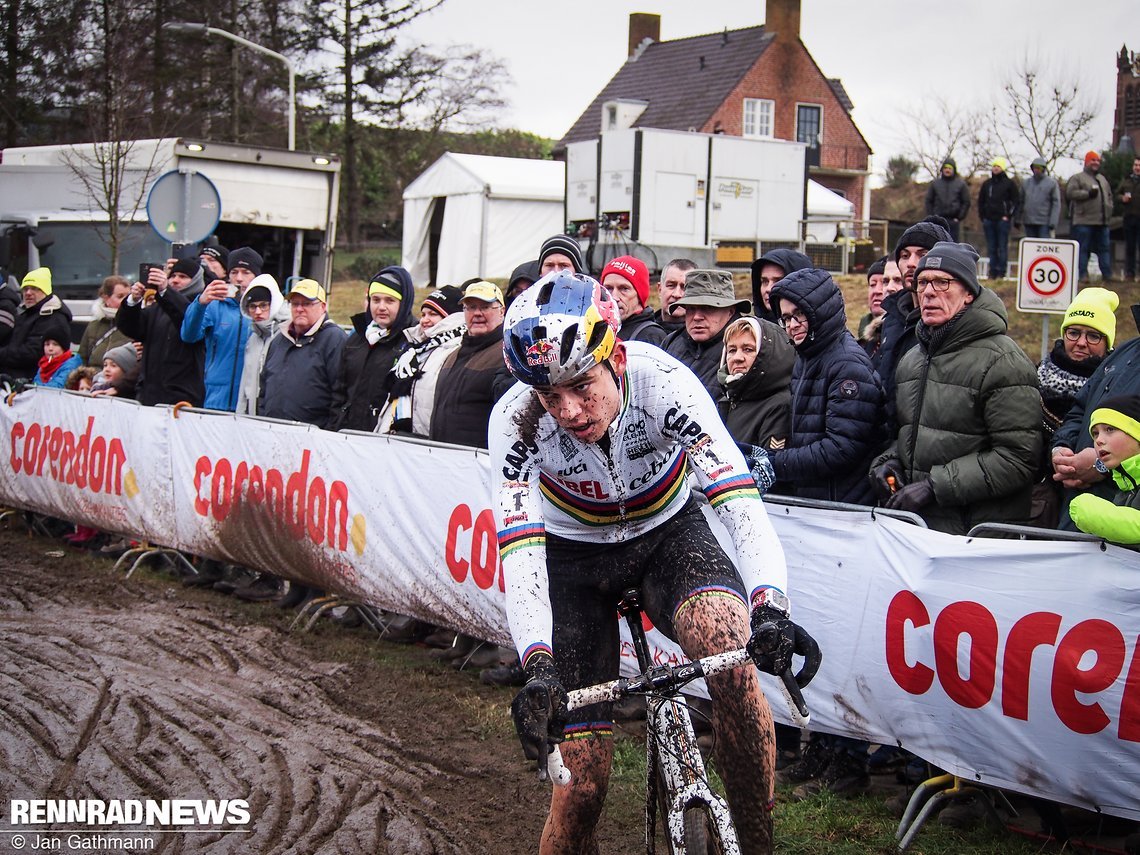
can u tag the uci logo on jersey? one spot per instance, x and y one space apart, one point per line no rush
542 352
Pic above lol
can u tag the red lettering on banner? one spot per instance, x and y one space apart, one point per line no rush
93 462
1098 639
906 608
482 552
1106 641
975 621
1025 636
309 507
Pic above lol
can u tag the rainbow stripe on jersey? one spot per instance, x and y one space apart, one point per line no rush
647 503
734 487
521 537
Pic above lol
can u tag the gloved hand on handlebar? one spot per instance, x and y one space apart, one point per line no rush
759 466
775 639
539 709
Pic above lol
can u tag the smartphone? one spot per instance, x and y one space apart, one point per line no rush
144 271
176 250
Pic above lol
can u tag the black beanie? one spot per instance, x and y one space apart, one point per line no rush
564 245
960 260
258 294
924 233
246 258
188 266
445 300
217 252
878 268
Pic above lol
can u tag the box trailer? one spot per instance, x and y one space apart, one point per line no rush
662 194
281 203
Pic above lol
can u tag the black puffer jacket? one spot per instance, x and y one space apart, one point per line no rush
757 408
361 388
837 399
20 357
642 327
172 369
897 336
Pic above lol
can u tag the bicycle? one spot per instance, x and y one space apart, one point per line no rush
695 818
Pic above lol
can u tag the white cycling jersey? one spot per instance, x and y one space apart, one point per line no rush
544 479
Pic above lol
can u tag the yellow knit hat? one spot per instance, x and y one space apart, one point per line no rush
1094 308
39 278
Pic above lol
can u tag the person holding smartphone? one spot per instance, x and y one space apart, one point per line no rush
171 368
216 319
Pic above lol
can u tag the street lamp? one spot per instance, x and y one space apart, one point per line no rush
203 30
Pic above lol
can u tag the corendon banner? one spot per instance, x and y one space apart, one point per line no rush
1011 663
95 461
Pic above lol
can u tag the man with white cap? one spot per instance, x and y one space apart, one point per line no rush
302 361
474 376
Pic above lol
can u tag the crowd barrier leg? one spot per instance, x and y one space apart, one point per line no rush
930 794
143 551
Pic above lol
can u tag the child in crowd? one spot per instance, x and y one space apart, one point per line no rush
81 379
120 372
57 363
1115 429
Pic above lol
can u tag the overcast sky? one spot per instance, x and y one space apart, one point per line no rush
889 53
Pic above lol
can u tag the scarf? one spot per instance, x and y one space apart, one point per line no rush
375 333
50 364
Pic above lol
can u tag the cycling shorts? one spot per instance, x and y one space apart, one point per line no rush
670 564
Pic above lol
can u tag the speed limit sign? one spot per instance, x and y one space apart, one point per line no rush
1047 282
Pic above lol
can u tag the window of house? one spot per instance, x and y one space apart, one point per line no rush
758 117
611 117
809 124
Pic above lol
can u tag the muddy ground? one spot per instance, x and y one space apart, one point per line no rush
139 688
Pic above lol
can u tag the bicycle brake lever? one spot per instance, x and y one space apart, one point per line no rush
795 696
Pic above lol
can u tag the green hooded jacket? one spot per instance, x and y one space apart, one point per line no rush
969 416
1117 521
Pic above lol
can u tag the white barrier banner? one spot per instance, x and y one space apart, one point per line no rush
94 461
1011 663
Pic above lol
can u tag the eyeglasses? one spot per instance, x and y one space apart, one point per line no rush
939 284
258 307
1074 334
797 318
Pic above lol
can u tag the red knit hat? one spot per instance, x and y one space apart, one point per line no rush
633 271
1091 156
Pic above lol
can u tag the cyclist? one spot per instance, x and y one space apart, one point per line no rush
589 457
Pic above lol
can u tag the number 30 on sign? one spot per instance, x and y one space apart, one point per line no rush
1046 282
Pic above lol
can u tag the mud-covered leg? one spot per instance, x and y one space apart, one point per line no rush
742 722
575 808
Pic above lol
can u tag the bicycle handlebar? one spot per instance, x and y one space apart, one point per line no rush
668 678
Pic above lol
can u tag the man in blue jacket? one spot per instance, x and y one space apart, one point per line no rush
216 318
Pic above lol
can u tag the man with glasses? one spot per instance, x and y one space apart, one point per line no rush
473 377
968 406
302 361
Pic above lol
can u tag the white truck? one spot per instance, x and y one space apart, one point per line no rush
281 203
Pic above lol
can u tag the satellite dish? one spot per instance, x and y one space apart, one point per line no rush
183 207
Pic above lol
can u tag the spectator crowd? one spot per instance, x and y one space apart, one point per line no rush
930 409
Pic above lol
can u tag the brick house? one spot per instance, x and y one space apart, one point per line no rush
755 82
1127 119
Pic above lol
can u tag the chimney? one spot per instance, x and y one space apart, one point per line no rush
643 26
782 17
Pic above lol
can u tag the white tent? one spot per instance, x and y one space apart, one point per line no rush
825 210
473 215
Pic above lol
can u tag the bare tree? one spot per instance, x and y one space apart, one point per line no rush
1044 111
938 129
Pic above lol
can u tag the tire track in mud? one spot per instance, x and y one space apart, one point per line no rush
136 699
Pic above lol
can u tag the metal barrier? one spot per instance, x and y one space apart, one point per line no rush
1029 532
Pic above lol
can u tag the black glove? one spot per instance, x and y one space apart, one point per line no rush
1094 190
912 497
884 488
539 709
775 639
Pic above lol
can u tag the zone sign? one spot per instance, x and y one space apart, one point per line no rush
1047 281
